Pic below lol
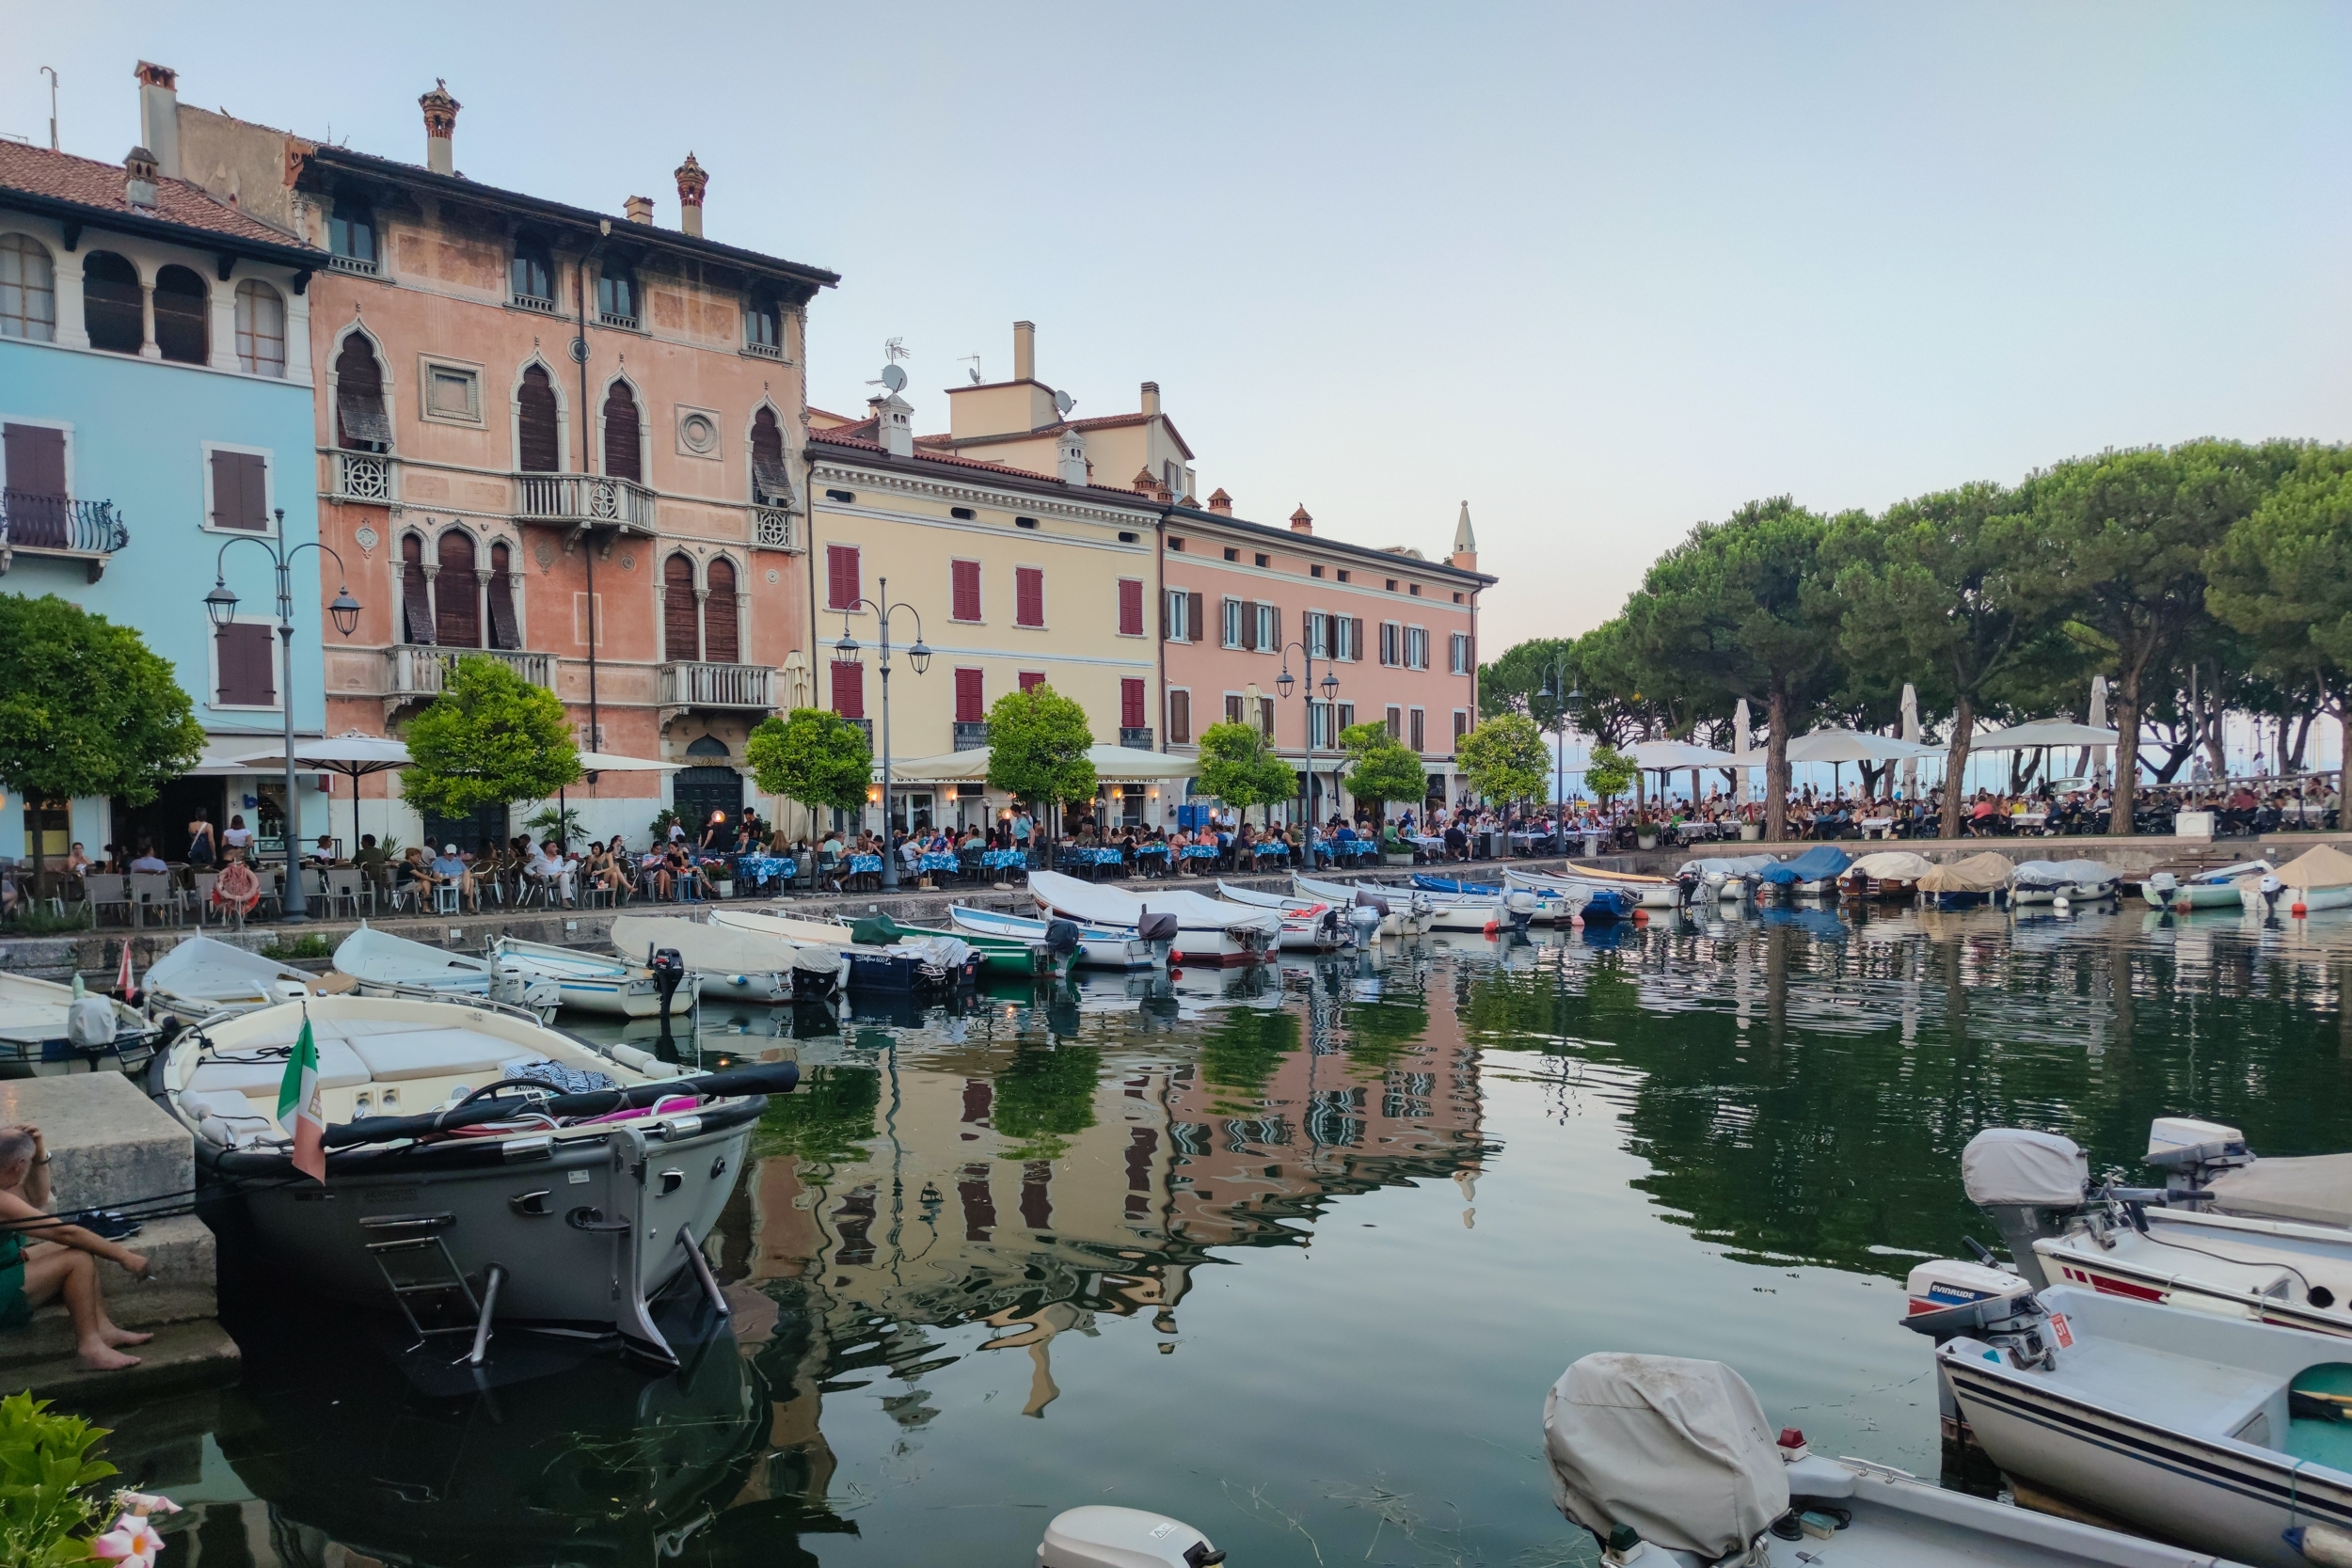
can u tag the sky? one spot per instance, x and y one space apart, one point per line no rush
1601 271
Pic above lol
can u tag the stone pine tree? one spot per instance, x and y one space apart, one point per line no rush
814 756
490 738
87 708
1038 742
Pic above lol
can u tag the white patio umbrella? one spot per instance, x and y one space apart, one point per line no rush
1662 757
352 753
1839 747
1112 763
1740 727
605 762
2044 731
1911 733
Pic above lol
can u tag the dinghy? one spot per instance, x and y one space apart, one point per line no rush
2319 878
1811 875
734 965
204 975
874 960
1402 914
1722 876
2206 889
593 982
1642 893
1309 925
1098 947
1206 932
482 1170
1551 905
387 965
47 1029
1001 957
1961 883
1885 874
2076 881
1579 900
1484 912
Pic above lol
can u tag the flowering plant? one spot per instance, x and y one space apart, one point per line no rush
134 1541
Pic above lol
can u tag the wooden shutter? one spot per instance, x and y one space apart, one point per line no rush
416 605
1029 596
1179 717
770 481
1131 608
622 459
506 632
1131 704
1419 733
1233 709
36 460
1195 627
1265 716
1250 625
721 637
1461 725
1354 637
848 689
971 705
360 396
680 644
240 492
964 582
1031 679
456 622
536 450
243 654
841 576
1396 723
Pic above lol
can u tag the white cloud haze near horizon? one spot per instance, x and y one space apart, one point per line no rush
1602 271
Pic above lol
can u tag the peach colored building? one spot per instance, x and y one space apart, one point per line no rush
567 439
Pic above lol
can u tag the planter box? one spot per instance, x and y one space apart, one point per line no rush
1751 831
725 888
1396 860
1647 841
2193 824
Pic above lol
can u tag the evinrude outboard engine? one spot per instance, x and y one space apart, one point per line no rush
1950 1300
1365 917
2192 1152
1100 1537
669 972
2164 884
1062 938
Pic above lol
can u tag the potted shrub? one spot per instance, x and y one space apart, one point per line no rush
1751 831
1646 835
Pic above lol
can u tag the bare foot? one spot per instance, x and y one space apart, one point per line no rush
121 1337
100 1359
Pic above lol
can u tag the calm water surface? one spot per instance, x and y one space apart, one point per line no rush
1294 1254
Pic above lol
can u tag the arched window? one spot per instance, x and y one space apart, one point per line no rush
678 641
538 451
530 275
360 418
261 329
416 604
458 622
184 307
28 290
720 638
112 312
621 459
506 632
771 482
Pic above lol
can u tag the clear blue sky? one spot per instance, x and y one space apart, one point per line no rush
1604 271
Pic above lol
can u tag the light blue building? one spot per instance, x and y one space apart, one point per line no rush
155 404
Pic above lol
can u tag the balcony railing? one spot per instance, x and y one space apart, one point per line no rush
365 266
416 673
743 686
1135 739
773 530
970 734
58 525
363 476
864 727
532 302
589 500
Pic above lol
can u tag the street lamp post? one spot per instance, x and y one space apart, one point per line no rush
1554 677
919 656
221 605
1330 687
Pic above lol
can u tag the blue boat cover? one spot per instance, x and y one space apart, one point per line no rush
1821 862
1451 884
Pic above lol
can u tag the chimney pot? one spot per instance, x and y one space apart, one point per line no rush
440 126
1151 397
691 183
1145 484
138 179
1221 504
638 208
1300 522
159 116
1025 350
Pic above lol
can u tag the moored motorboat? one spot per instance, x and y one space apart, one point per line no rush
2320 879
2205 890
389 965
204 975
877 956
1309 925
1811 875
1551 905
1205 931
1643 893
594 982
731 964
1722 876
47 1029
1885 874
1002 956
1487 912
1582 900
1098 947
482 1170
1958 884
1402 914
2077 881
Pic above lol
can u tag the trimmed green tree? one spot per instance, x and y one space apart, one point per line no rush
1382 768
1504 759
490 738
87 708
1607 773
814 756
1038 741
1240 766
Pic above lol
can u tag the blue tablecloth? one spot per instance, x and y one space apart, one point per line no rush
998 860
1101 857
939 862
860 864
761 867
1143 849
1271 851
1201 852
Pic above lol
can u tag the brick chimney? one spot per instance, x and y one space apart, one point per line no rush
1145 484
1221 504
1151 397
440 125
691 183
138 179
159 116
638 208
1300 522
1025 350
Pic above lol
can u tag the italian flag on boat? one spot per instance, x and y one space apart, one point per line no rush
298 1097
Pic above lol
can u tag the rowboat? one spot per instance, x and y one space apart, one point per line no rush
882 963
2206 889
1309 925
1555 906
1402 914
2321 879
1885 874
1484 912
733 965
1722 876
1643 893
1976 880
1811 875
593 982
387 965
1591 902
1098 947
47 1029
1206 932
1001 957
204 975
482 1168
2077 881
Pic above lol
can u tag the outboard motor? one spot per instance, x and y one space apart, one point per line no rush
1366 917
1100 1537
1329 924
2025 1182
1062 938
669 972
1686 883
1156 927
2164 884
2192 1152
90 1024
1520 906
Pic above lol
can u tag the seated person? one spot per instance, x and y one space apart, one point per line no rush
323 852
373 862
148 861
1456 842
448 869
40 1260
77 864
414 876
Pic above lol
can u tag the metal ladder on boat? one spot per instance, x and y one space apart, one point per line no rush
416 1261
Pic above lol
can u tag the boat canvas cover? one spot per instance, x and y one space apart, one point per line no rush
1090 903
1678 1450
720 949
2314 1189
2063 873
1893 865
207 970
2326 866
1983 873
1737 866
1817 864
2015 1164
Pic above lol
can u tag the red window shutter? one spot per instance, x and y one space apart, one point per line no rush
1031 678
1131 702
965 578
1029 596
622 454
970 707
458 618
848 689
841 577
1130 606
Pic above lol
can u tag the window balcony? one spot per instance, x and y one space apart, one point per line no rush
364 265
533 302
584 501
688 686
773 529
971 734
87 531
363 476
1135 739
416 673
615 318
862 726
765 351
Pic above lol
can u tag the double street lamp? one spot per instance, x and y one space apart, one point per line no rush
1283 683
221 605
846 651
1555 675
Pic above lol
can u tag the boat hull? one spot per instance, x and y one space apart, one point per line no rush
1098 947
2312 900
2193 895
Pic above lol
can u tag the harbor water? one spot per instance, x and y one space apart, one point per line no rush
1292 1254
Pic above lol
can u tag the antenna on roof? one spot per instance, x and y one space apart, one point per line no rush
973 360
895 349
1064 403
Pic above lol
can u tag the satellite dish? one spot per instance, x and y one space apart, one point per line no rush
893 377
1065 403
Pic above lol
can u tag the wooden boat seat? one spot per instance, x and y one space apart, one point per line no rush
396 1057
339 1068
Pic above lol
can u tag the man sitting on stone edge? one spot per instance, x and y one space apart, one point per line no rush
40 1258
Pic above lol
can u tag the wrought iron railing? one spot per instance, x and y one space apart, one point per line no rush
363 476
715 685
970 734
864 726
422 671
1133 738
589 498
59 523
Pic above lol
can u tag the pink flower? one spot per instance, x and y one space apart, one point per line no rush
143 1503
133 1543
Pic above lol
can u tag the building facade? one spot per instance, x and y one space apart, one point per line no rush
155 410
566 440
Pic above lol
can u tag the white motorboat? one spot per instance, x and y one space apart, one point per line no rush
204 975
1672 1463
1885 874
1205 931
1483 912
1645 893
1402 914
731 964
906 963
387 965
2320 879
47 1029
2223 1434
594 982
2076 881
2206 889
1099 947
1723 876
483 1169
1309 925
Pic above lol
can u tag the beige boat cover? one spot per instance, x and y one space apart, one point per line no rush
2326 866
717 949
1982 873
1892 865
1678 1450
2314 1189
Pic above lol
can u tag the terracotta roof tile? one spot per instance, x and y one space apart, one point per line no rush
63 177
860 443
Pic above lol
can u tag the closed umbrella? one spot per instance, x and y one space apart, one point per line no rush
1911 733
2092 765
1739 744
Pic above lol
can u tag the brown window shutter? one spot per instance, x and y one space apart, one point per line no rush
1277 618
1179 717
1250 625
360 395
771 480
622 459
506 632
36 460
457 620
1194 625
678 641
536 448
244 656
722 635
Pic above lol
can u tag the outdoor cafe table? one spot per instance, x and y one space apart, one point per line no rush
861 865
1001 860
938 862
1200 852
758 869
1877 827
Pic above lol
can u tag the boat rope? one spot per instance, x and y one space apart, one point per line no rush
2241 1263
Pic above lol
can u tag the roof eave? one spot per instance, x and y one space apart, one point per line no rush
1041 484
300 258
1362 552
